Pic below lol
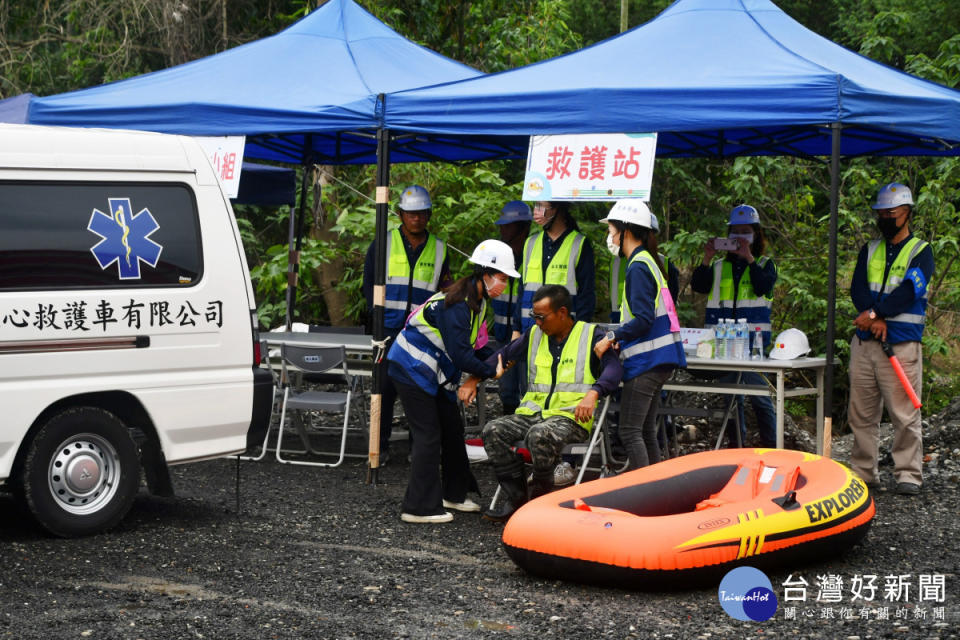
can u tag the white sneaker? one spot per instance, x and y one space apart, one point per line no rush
446 516
467 505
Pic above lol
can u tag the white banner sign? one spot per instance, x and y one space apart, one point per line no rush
226 156
598 166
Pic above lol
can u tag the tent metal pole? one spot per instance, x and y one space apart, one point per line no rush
293 268
379 299
825 430
292 265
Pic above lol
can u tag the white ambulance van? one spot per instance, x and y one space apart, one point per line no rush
128 333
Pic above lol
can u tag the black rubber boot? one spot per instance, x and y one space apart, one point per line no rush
541 484
513 487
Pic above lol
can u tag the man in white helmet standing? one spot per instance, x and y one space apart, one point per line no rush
889 291
417 267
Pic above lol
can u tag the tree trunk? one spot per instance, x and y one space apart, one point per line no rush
330 273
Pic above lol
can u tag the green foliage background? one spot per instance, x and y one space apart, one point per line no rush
51 47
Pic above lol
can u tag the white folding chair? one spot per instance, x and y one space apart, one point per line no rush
297 397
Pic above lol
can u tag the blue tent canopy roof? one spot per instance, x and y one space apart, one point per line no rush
712 77
320 78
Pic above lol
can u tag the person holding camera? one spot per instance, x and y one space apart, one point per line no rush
741 286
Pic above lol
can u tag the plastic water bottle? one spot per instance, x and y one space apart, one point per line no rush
719 340
757 352
746 338
729 334
740 338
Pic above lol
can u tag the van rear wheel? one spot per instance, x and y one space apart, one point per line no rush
81 473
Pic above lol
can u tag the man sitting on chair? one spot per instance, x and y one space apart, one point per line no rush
565 380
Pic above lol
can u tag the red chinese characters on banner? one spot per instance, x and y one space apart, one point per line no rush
592 163
559 163
225 164
629 168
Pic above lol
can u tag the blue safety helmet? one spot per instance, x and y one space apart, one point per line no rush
743 214
515 211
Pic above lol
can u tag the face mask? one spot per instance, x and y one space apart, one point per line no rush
888 227
747 236
611 247
496 288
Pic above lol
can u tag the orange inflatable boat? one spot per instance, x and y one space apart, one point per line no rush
689 520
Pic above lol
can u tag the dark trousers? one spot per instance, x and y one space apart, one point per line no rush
439 468
388 396
638 417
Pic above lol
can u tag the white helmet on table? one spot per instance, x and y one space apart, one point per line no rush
415 198
893 195
496 255
632 212
790 344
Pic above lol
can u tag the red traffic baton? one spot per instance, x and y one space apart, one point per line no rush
898 369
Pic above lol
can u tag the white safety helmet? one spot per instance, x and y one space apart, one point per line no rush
632 212
790 344
496 255
515 211
893 195
654 223
743 214
415 198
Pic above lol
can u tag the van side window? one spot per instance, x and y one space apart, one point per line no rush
98 235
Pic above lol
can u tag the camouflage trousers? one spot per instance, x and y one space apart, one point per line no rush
544 438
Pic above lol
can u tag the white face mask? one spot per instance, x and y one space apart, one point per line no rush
496 287
611 247
747 236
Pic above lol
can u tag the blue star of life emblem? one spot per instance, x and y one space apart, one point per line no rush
125 238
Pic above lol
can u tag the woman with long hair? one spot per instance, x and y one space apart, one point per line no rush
648 338
436 345
741 286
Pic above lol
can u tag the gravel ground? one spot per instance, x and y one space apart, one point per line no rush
318 553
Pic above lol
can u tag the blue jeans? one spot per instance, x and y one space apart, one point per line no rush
762 408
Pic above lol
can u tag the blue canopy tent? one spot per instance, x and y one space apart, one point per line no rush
713 78
312 93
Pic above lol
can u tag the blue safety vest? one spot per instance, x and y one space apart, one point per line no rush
906 326
561 270
422 279
720 303
419 349
503 307
660 345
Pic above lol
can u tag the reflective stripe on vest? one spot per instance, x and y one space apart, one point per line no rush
618 279
422 280
559 395
561 270
503 306
661 345
720 304
419 350
908 325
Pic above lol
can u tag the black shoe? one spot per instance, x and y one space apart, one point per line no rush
908 488
499 513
